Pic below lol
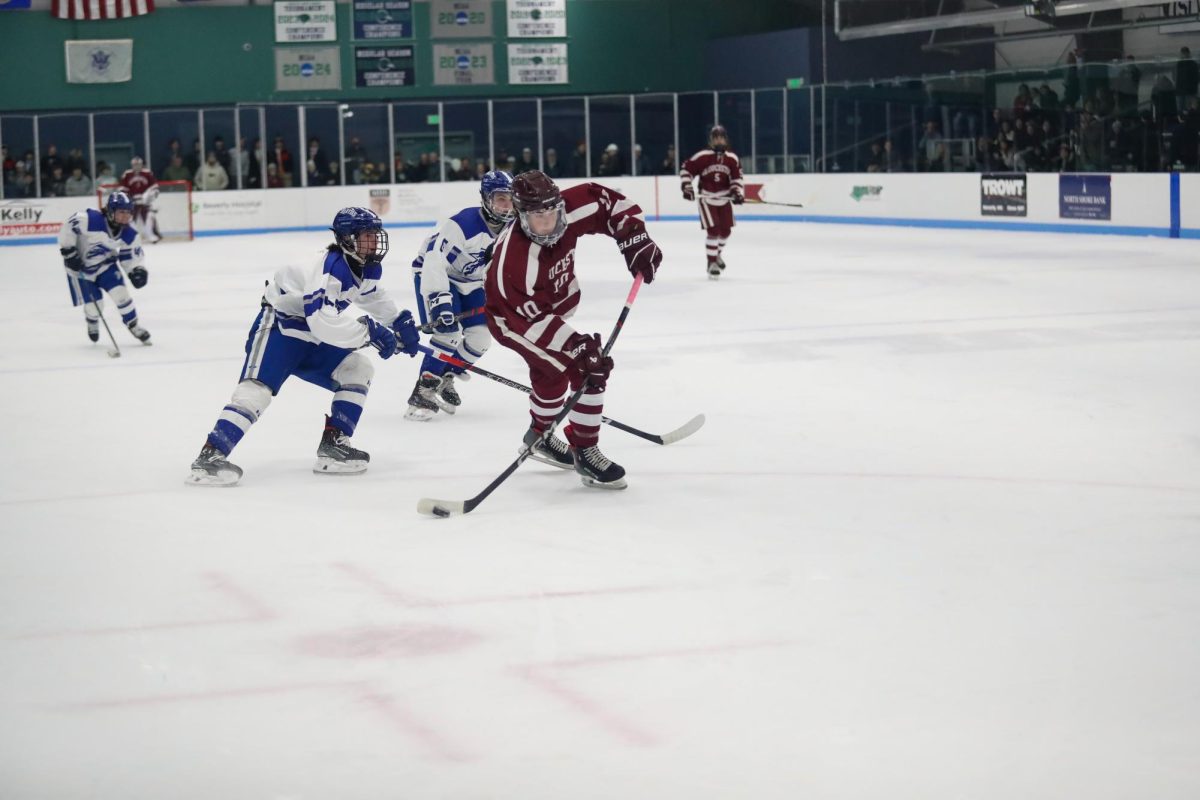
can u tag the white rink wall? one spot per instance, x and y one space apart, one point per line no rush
1141 204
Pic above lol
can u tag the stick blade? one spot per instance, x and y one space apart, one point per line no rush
440 508
687 429
114 353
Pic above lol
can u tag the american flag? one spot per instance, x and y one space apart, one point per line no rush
100 9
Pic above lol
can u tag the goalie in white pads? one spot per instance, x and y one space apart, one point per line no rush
302 330
98 250
448 276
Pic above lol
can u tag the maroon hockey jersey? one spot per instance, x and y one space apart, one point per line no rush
137 183
531 290
720 175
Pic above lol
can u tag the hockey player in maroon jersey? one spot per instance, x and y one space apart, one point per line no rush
140 184
720 174
532 290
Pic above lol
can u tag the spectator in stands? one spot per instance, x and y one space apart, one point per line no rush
433 171
176 171
405 172
104 174
223 155
1046 98
239 166
8 166
985 155
78 184
1006 157
317 164
50 160
273 179
22 182
381 173
173 149
670 164
54 184
611 162
1128 81
578 166
194 159
1091 143
212 176
1071 86
1120 146
552 167
525 163
1162 99
254 155
481 169
891 159
364 173
74 159
282 159
1187 77
1023 102
1064 161
641 162
934 157
356 155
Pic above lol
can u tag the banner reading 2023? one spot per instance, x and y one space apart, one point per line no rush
383 19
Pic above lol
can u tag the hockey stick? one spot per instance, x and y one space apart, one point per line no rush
428 326
114 351
682 432
748 201
445 508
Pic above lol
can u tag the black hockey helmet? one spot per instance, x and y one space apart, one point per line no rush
718 138
535 192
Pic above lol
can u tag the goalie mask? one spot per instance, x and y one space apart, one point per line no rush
496 183
718 138
540 208
118 210
360 235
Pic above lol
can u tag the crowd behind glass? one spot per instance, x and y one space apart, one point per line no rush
1127 115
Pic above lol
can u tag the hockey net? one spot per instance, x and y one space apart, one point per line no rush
170 211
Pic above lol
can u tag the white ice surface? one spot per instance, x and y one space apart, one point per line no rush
940 538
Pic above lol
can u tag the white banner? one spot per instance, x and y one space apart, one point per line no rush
537 18
306 21
537 63
99 61
460 19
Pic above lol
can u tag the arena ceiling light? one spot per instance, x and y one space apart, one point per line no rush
1046 11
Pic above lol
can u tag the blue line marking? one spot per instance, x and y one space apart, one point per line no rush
1175 219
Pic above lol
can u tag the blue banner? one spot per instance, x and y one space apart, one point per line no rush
15 5
1085 196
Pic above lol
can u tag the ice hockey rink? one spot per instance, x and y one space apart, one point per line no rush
939 538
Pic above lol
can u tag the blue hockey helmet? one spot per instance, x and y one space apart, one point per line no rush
117 201
493 183
349 224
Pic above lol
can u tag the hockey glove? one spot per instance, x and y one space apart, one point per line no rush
71 259
738 198
642 255
441 314
382 339
689 193
138 277
406 333
588 360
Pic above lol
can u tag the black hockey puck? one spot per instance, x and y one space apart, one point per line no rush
438 511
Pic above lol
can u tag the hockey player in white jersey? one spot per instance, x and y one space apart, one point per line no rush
448 276
304 329
98 250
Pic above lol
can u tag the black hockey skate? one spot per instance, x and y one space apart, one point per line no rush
335 456
596 471
94 330
446 395
422 403
212 468
720 263
554 451
139 333
714 269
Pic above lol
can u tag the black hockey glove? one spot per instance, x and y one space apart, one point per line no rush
71 259
738 198
642 255
689 193
138 277
588 360
382 339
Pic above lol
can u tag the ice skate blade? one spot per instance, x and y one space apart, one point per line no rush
330 466
535 456
592 483
449 408
222 480
417 414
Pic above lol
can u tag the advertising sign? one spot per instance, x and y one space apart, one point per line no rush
1085 196
1002 195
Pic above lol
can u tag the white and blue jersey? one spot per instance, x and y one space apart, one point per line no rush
309 301
88 233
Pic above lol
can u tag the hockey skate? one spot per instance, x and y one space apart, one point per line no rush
554 451
714 269
596 471
446 395
139 333
93 326
720 263
422 403
211 468
335 456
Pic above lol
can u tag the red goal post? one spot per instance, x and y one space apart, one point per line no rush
172 209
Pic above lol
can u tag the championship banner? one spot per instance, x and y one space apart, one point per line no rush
1085 196
463 64
384 66
537 63
528 18
1002 195
99 61
300 69
460 19
306 21
383 19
